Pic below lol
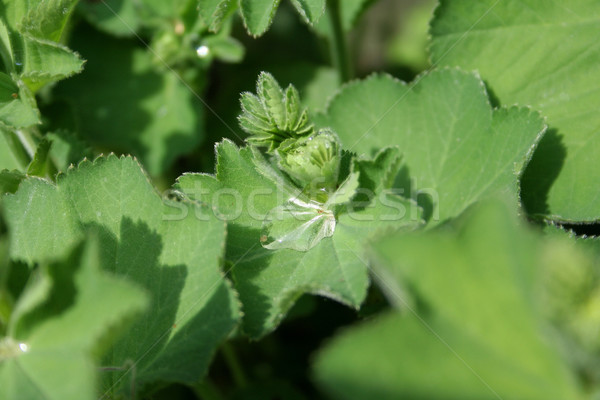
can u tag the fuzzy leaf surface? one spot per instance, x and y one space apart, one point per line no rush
457 149
270 281
310 10
162 246
258 15
546 56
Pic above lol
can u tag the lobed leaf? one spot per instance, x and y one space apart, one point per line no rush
244 191
171 249
457 149
59 327
545 56
474 323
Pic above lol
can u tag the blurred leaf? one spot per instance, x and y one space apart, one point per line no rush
270 281
131 107
545 56
320 89
447 131
226 49
310 10
67 149
409 46
171 249
350 12
117 17
38 165
9 158
10 180
475 332
60 325
213 12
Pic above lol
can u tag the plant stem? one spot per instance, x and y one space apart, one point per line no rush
339 48
234 365
17 147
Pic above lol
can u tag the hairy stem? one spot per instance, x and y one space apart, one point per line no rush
339 48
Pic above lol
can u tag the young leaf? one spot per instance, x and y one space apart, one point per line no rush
38 165
448 134
560 77
273 116
45 62
297 225
479 333
272 97
270 281
47 19
213 12
258 15
172 249
20 110
310 10
61 323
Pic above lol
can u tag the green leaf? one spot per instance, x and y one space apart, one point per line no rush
297 225
117 17
47 18
457 149
172 249
545 56
45 62
474 331
20 110
310 10
270 281
258 15
226 49
10 155
272 116
67 149
155 116
10 180
213 12
60 325
38 165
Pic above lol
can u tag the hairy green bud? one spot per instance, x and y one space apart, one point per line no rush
273 115
312 162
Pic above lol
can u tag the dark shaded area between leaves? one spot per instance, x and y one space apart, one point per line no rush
541 172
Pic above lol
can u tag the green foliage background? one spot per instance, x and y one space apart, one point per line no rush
126 274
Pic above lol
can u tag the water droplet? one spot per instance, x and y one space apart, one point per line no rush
18 63
202 51
24 348
65 11
98 214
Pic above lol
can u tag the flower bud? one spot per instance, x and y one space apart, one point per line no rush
312 162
